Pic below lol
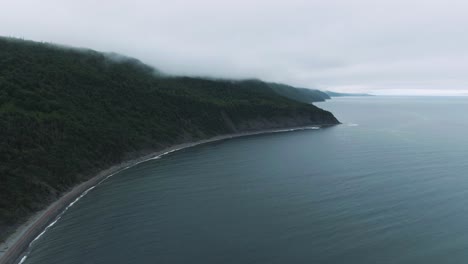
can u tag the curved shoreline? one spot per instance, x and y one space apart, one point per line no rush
37 225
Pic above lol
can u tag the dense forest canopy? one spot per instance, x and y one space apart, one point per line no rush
67 113
299 94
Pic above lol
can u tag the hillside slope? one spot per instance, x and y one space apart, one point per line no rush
299 94
335 94
66 114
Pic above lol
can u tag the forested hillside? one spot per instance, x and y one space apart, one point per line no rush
66 114
299 94
335 94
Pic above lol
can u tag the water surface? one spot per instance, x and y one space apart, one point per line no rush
390 185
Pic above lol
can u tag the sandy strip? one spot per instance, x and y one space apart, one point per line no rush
13 248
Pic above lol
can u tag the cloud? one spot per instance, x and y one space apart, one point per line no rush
360 45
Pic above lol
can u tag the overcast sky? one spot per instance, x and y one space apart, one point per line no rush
382 47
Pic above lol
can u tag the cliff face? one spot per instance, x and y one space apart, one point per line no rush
66 114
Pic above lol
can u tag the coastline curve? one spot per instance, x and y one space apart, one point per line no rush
29 232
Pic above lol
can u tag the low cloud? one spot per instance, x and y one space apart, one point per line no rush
384 47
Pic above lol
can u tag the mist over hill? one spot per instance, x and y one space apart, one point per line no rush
66 114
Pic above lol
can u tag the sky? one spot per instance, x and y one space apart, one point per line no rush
381 47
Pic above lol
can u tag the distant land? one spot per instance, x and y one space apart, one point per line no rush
335 94
67 114
307 95
299 94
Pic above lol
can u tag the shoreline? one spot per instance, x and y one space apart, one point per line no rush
16 244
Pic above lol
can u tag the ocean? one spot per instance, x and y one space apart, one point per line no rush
386 186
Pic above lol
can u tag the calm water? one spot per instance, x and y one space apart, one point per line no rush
390 185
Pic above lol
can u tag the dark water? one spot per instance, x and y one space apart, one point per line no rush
390 185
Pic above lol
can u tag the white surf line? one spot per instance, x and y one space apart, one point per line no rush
61 213
59 216
23 259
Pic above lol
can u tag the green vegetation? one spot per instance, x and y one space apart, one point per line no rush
335 94
299 94
66 114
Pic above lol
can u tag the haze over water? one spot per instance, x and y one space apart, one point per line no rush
390 185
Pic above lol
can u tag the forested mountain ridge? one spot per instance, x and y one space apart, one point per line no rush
299 94
67 113
335 94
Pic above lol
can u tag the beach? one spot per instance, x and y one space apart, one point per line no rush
13 248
